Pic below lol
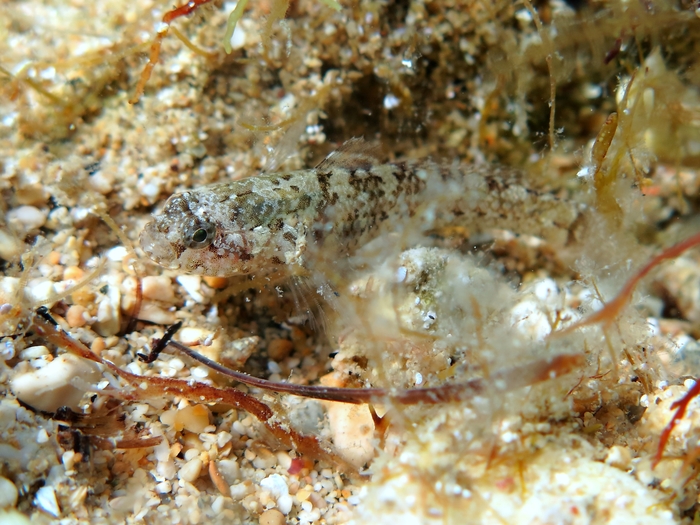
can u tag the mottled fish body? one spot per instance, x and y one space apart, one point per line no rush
285 221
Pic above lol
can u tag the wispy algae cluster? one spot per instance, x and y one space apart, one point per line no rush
448 371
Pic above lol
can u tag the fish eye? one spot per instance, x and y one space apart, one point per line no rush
199 234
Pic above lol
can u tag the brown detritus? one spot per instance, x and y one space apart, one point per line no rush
614 51
144 387
158 345
150 387
681 405
508 379
191 45
611 311
168 18
602 143
155 387
36 86
103 430
603 180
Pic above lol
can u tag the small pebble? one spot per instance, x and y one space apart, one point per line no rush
218 479
8 493
230 470
272 517
193 418
46 500
191 470
352 430
192 285
265 459
10 246
236 353
29 217
619 457
215 282
76 316
34 352
278 488
155 314
159 288
109 312
278 349
57 384
73 273
191 336
98 345
13 517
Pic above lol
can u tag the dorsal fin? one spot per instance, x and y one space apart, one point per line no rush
354 154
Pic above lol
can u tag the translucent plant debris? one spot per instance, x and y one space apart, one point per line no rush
432 262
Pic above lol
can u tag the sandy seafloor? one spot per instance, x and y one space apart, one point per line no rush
459 81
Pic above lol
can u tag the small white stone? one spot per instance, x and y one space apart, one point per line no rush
238 38
150 311
229 470
69 458
29 217
619 457
13 517
391 101
46 500
192 285
199 372
10 246
163 487
159 288
190 471
33 352
401 273
40 291
241 490
283 459
60 383
285 503
8 494
117 254
102 182
277 486
264 459
192 335
191 454
109 311
352 430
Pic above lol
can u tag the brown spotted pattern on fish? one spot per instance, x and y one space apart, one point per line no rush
284 221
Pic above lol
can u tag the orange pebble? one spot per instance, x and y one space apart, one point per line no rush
73 272
98 345
278 349
215 282
75 316
272 517
83 296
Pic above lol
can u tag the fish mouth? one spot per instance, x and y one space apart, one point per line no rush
154 244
